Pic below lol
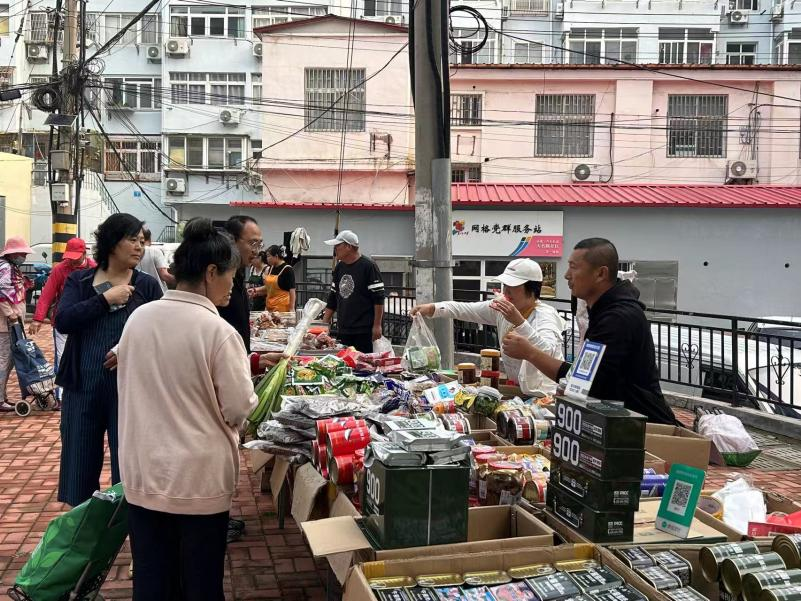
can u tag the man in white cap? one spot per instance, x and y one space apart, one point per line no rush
357 294
518 310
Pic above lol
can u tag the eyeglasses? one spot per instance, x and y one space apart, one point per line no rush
256 244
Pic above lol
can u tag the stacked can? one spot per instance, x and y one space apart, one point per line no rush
597 456
338 441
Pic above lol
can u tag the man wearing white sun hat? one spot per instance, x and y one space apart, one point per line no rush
519 310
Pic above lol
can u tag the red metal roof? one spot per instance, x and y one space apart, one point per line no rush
587 195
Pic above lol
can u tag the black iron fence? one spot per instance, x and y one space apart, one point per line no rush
743 360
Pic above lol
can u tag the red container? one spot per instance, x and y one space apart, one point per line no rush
456 422
341 469
346 442
521 429
315 453
333 424
322 458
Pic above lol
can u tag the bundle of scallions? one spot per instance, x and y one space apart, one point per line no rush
269 388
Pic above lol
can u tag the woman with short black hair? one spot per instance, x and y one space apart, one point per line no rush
279 282
179 427
94 307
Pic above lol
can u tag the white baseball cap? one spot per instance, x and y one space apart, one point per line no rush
344 237
520 271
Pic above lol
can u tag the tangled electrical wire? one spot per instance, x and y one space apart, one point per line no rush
481 25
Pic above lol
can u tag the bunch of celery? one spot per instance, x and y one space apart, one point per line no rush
268 390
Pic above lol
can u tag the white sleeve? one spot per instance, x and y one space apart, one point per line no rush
159 259
473 312
547 336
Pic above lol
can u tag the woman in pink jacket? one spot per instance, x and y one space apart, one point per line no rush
13 286
184 392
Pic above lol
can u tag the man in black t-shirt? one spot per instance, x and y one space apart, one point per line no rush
357 294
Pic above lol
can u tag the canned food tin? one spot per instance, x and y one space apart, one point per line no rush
598 461
521 429
486 578
621 593
676 565
315 453
449 593
434 580
659 578
733 569
532 571
392 594
635 557
503 418
341 469
596 580
542 430
653 485
514 591
575 565
710 558
785 593
789 547
553 586
346 442
756 582
455 422
476 593
685 594
333 424
391 582
322 457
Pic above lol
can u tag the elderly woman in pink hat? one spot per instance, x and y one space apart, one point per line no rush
12 305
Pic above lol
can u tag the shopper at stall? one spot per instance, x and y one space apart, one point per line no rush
178 428
13 286
520 310
73 259
247 238
357 294
94 307
254 276
279 282
627 371
154 263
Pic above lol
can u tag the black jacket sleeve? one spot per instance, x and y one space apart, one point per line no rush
613 331
375 284
75 312
332 296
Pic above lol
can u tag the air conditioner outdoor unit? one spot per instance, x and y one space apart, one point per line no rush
584 173
37 52
176 185
229 117
154 54
178 47
741 169
257 49
388 19
255 180
738 17
560 11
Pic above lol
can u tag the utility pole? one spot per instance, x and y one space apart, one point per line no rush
67 160
432 198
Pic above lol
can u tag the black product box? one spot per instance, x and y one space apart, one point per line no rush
596 526
601 495
595 460
604 423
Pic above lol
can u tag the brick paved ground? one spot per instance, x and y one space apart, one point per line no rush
267 563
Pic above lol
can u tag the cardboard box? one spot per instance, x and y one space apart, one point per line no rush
678 445
775 503
489 439
342 541
480 424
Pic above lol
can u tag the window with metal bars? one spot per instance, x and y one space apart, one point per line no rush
596 46
465 173
692 46
213 153
207 88
38 30
335 99
744 5
385 8
272 15
142 93
140 157
466 109
207 20
740 53
696 125
564 125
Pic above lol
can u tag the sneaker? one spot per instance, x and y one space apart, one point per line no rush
6 407
236 525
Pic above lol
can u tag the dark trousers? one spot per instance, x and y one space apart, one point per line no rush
177 557
361 342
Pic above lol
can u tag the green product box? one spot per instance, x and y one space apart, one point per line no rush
415 507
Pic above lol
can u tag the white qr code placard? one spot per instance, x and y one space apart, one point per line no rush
582 374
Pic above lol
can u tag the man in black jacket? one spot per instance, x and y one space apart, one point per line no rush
627 371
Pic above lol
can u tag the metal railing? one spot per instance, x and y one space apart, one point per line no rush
742 360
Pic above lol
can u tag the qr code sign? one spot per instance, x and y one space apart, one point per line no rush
680 497
587 360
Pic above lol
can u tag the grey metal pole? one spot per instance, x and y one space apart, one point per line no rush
432 199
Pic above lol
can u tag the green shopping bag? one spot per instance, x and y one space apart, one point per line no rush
77 548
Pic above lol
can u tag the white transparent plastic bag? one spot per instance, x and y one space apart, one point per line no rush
421 353
727 432
383 345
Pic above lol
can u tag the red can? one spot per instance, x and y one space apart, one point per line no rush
322 457
456 422
333 424
346 442
341 469
521 429
315 453
503 419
